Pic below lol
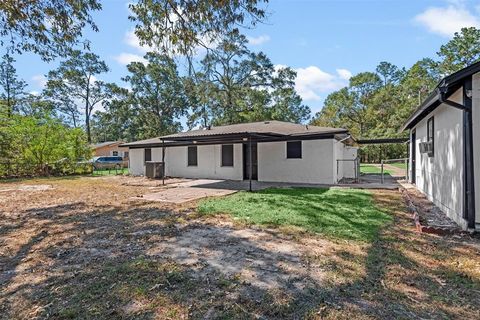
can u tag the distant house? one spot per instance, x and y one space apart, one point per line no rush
110 148
272 151
445 146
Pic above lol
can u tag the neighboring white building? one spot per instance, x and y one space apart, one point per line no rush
445 146
281 152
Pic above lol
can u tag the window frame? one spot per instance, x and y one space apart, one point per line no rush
222 163
115 153
301 149
188 156
431 134
145 155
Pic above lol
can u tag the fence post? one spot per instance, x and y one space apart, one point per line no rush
382 171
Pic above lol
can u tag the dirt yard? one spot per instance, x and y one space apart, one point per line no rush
83 248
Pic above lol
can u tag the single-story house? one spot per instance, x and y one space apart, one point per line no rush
110 149
445 146
271 151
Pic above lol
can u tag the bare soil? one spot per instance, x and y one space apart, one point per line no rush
81 248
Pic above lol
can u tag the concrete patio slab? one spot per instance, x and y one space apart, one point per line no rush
184 194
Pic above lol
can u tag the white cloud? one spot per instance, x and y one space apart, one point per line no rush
445 21
132 40
344 74
126 58
39 80
255 41
311 82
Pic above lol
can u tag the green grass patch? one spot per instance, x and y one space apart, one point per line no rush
337 213
371 169
400 165
107 172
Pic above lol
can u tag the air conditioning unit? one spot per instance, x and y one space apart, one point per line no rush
154 170
426 147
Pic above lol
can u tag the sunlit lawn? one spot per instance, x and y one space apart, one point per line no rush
337 213
371 169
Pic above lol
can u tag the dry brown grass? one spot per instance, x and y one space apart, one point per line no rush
83 249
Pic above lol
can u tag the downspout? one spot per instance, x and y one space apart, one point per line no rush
468 165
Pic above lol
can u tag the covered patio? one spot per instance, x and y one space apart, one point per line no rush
248 136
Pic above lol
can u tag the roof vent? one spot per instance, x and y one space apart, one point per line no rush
306 126
266 122
209 127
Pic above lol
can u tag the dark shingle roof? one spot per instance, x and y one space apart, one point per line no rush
278 128
260 129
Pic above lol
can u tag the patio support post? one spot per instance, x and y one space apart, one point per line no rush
250 169
163 162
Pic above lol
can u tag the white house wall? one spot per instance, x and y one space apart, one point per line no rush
441 177
316 165
135 162
476 139
209 163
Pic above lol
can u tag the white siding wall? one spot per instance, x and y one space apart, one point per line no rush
441 177
476 144
316 165
135 162
209 163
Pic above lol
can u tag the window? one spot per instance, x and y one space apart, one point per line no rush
227 155
431 135
294 149
115 153
192 156
148 155
125 154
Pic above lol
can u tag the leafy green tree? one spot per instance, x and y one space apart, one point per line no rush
390 73
75 80
460 52
244 86
46 27
12 88
182 26
119 120
158 94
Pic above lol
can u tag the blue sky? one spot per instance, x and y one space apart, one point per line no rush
324 40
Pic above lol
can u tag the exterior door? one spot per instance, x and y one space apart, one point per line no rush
246 161
413 153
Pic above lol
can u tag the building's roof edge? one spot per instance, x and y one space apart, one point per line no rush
449 83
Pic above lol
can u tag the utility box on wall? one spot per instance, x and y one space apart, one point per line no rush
154 170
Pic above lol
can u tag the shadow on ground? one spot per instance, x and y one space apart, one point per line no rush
79 260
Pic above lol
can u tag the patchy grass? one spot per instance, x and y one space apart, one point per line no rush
338 213
371 169
84 250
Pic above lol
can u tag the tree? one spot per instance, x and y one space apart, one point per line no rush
158 94
460 52
75 80
12 87
389 72
244 86
362 87
119 120
182 26
46 27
